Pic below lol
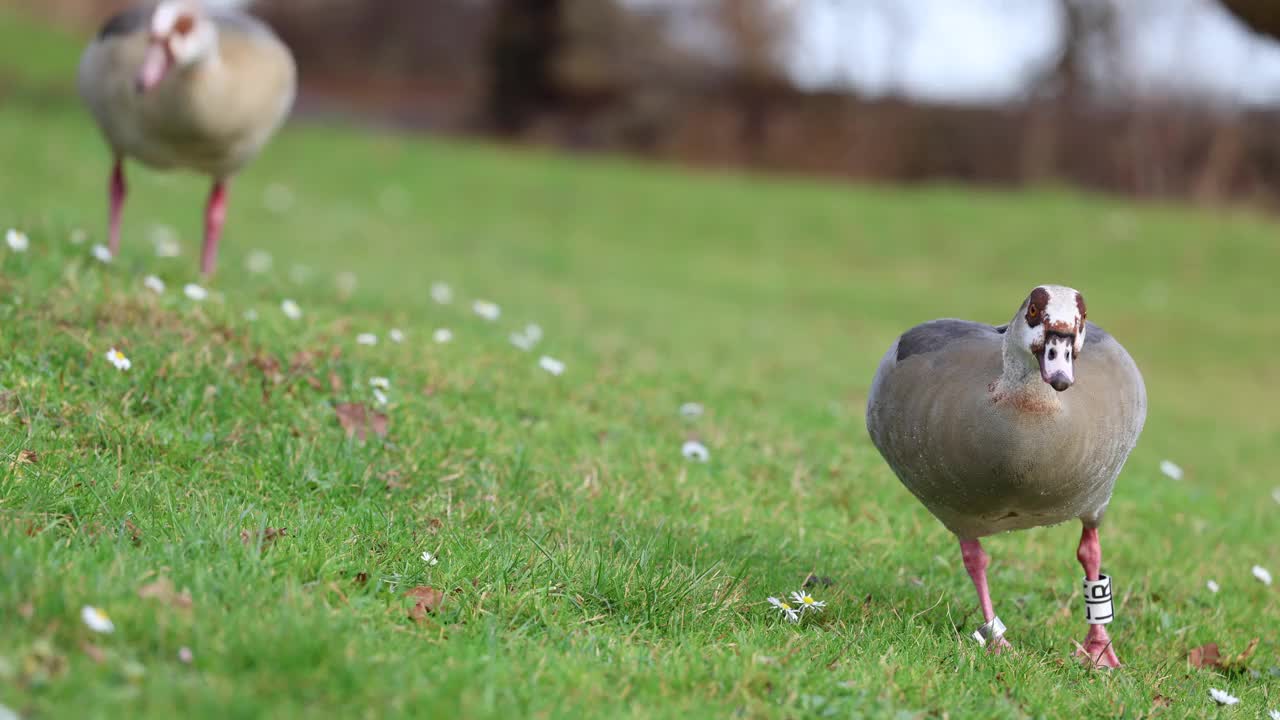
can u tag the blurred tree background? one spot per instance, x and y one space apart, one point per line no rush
709 82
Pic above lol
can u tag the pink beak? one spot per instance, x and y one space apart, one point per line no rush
155 65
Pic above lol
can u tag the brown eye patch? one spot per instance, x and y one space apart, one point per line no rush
1035 306
184 25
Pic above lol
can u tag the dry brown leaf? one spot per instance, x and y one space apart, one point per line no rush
135 533
302 360
268 535
94 652
434 525
1204 656
426 600
162 589
357 420
362 578
28 457
269 366
1160 701
335 382
315 383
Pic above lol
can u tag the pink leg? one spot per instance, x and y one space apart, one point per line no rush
118 192
976 562
1097 649
215 216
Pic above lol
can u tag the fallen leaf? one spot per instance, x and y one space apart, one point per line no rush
357 420
301 360
1204 656
434 525
269 366
27 457
268 535
135 534
427 600
162 589
362 578
94 652
1160 701
315 383
335 382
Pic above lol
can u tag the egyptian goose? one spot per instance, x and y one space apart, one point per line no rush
185 84
1018 426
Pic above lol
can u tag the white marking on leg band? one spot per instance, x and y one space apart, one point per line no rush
1098 609
989 631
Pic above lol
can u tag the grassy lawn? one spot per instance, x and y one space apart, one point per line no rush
585 568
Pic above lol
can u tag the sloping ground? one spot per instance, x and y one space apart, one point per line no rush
583 566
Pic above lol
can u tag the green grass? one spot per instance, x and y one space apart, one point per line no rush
589 569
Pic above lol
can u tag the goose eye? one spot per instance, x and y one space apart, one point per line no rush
1033 311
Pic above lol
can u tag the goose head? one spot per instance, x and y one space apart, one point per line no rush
179 36
1047 334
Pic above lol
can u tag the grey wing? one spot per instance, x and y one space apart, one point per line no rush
127 22
1104 352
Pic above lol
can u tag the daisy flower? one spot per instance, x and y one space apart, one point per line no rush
694 450
533 331
551 365
396 335
154 284
522 341
18 241
347 283
691 410
1275 714
442 293
1275 494
380 396
806 603
101 253
366 339
97 620
1262 574
487 310
442 336
1213 586
1171 469
117 358
165 241
291 309
1222 698
195 292
430 559
790 613
258 262
380 382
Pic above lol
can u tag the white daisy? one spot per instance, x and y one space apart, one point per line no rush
117 358
278 198
789 612
291 309
1262 574
347 282
522 341
380 383
7 714
533 331
1275 494
1222 698
258 262
442 293
78 236
251 315
18 241
366 339
487 310
380 396
396 335
429 559
101 253
551 365
96 619
1171 469
806 603
195 292
154 284
165 241
691 410
1275 714
442 335
694 450
1213 586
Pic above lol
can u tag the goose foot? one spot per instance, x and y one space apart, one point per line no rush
1097 650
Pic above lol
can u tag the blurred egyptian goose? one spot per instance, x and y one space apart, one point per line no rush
1012 427
185 84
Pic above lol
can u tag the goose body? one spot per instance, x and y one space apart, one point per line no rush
178 85
998 428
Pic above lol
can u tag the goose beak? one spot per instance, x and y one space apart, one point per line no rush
1057 361
155 65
